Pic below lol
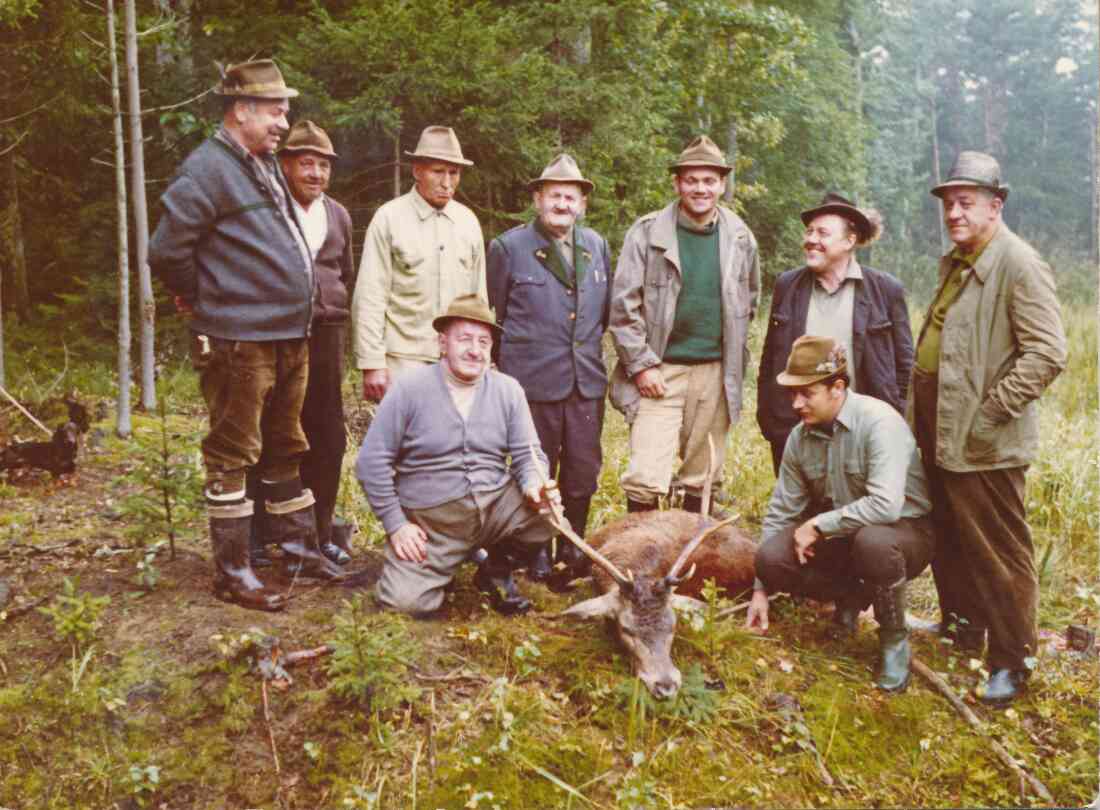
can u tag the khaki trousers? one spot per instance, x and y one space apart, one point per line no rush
455 529
678 424
402 365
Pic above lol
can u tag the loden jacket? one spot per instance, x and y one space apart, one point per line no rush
552 325
222 245
1002 344
646 286
334 267
882 344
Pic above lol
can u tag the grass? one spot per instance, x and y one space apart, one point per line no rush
479 711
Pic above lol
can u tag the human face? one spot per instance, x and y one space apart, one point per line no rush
971 215
558 206
828 244
465 347
817 404
261 123
699 191
308 174
437 181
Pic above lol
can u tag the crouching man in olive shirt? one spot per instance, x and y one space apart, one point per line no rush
848 520
434 466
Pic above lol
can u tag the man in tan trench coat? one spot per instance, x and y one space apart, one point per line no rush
991 343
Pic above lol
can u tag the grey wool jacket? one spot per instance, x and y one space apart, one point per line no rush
225 249
420 453
553 321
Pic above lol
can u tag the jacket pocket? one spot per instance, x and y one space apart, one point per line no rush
981 441
856 474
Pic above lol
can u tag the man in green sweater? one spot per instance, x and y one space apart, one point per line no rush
685 288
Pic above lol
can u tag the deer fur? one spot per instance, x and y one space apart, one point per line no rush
645 546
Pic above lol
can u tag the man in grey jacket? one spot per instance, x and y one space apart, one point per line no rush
435 467
229 247
548 282
991 343
685 288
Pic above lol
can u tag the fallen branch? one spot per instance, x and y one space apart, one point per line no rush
291 658
1002 753
270 733
36 551
25 412
15 613
454 675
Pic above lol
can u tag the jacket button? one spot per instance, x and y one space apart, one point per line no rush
572 316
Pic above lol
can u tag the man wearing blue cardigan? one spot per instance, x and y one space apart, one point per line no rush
435 468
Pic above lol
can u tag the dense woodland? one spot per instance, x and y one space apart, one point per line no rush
125 683
873 97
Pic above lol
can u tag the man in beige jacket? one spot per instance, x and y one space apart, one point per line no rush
685 288
991 343
422 250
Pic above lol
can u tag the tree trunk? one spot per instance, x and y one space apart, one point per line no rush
397 165
11 240
731 159
1094 164
936 166
146 305
123 426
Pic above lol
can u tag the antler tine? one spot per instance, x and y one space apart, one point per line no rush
709 480
689 549
558 521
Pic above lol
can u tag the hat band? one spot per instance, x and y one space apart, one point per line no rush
258 87
976 181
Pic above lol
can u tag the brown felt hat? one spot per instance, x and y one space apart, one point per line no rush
702 153
468 308
439 143
812 360
974 169
259 79
306 136
835 203
562 169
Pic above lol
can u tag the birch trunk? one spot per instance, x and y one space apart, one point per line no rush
146 305
123 426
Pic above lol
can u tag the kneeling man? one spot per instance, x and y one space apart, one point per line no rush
848 521
435 468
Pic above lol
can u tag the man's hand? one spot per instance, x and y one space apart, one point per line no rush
410 543
804 538
756 620
651 383
182 307
375 383
541 497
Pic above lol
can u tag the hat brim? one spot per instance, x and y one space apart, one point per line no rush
440 323
587 185
721 168
802 380
291 150
937 191
428 156
270 95
849 212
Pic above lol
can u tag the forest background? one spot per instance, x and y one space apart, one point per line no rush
137 688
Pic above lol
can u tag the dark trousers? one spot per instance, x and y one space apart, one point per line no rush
841 566
777 447
985 564
569 432
253 393
323 422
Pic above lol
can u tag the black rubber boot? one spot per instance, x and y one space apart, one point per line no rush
893 670
539 567
234 579
494 578
338 547
1003 686
845 621
633 506
290 525
258 549
575 560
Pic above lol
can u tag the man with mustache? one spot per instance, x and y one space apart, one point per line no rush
991 343
848 520
685 288
230 247
549 284
422 250
863 308
451 464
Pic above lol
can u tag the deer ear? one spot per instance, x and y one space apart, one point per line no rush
598 606
680 602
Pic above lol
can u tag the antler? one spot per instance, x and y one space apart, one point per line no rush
557 519
705 531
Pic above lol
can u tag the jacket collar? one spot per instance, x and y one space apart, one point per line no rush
549 255
991 254
662 234
425 209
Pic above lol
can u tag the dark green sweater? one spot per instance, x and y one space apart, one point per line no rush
696 335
